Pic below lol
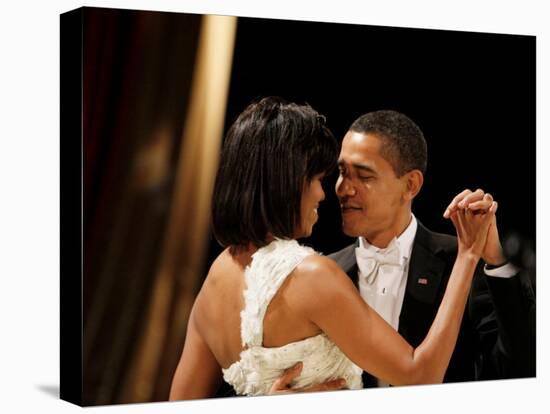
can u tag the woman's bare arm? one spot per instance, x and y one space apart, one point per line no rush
198 374
333 304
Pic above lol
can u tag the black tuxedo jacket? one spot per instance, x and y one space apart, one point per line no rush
496 338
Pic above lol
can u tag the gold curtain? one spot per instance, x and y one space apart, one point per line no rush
185 240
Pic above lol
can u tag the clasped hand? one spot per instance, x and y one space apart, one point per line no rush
473 215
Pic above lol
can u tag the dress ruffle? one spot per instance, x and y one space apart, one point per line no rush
259 367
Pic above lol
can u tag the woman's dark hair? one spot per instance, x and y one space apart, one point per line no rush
269 153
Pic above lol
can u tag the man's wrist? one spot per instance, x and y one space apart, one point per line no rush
491 266
495 260
506 270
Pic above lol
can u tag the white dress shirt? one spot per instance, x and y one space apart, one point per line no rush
385 295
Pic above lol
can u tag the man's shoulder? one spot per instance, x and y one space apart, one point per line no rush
434 241
429 240
345 257
349 249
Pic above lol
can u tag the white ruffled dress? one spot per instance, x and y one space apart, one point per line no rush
258 367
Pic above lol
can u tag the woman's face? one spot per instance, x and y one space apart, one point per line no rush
312 195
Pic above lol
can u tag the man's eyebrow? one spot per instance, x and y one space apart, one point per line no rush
364 167
358 166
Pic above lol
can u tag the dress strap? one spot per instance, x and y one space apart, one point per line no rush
264 276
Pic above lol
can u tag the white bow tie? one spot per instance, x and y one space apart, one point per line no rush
370 261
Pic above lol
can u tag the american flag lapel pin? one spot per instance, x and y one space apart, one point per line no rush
422 281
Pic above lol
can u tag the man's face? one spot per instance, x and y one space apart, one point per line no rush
371 195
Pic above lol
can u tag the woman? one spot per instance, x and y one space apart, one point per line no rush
268 302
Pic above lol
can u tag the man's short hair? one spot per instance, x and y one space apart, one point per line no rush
270 152
403 144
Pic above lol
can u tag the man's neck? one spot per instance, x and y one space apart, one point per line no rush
382 239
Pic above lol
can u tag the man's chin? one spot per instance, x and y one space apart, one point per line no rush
350 231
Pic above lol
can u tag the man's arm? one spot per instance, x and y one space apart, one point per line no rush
283 384
502 306
503 313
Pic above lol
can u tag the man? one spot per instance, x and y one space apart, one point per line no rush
381 166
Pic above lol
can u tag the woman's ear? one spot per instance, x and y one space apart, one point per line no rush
413 181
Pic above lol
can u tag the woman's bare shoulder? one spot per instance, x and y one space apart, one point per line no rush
222 268
316 266
220 280
219 293
220 263
318 284
321 276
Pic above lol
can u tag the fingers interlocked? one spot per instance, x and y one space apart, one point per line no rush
476 202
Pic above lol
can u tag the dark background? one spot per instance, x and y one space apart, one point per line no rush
472 94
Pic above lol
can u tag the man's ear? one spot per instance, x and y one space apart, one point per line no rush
413 181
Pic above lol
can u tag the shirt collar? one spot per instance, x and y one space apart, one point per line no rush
404 241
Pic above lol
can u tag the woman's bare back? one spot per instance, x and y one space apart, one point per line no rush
220 301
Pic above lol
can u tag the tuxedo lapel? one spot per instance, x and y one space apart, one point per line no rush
422 295
425 268
348 262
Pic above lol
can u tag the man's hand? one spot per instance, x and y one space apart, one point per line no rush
479 202
282 384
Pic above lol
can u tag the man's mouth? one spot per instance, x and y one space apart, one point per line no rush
349 208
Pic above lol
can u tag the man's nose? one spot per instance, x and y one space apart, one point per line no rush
344 187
